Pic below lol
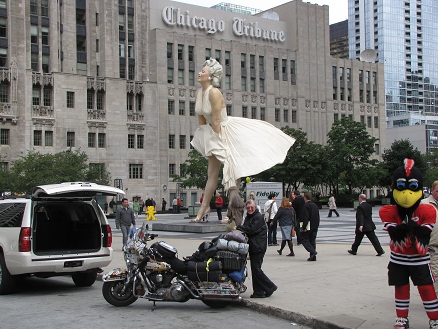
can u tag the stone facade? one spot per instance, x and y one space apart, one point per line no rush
286 64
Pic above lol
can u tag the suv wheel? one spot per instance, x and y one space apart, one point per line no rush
84 279
7 281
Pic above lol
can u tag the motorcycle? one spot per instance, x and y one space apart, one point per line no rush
155 273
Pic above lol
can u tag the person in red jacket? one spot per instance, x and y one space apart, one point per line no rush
219 203
409 225
178 205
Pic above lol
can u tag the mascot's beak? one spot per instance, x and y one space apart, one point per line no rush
406 198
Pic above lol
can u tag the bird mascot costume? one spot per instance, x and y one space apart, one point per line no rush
409 225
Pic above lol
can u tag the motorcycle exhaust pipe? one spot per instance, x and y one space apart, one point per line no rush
236 299
190 290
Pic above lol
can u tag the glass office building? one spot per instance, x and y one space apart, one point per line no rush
404 36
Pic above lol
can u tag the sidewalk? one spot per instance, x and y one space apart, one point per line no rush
339 290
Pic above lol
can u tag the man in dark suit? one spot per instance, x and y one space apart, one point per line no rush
309 226
365 226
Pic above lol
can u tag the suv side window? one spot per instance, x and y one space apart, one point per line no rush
11 214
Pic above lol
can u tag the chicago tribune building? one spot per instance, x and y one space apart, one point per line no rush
117 80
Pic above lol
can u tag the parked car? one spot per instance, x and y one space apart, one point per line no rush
59 230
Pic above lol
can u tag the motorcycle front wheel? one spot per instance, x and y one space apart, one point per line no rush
112 292
216 303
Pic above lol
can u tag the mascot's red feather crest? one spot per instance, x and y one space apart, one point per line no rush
409 163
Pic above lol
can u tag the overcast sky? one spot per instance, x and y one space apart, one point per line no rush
338 8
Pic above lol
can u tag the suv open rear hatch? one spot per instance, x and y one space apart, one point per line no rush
74 190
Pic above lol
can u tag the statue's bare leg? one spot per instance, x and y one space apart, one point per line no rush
214 165
233 191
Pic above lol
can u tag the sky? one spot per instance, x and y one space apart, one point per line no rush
338 9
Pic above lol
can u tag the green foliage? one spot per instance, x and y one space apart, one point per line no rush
193 172
5 181
39 169
304 163
98 174
431 174
394 156
349 148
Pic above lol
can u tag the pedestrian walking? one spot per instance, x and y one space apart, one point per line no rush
175 205
219 203
124 218
286 218
309 226
365 226
332 206
163 205
270 210
112 205
178 205
298 204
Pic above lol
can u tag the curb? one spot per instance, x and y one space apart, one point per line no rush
279 313
290 316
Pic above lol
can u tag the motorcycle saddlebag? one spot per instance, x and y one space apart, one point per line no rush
204 271
165 250
230 260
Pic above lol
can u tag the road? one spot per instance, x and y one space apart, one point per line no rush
58 303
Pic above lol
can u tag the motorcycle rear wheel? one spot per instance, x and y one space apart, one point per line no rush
112 293
216 303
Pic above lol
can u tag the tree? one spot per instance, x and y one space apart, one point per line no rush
98 174
431 174
39 169
193 172
394 156
304 163
5 181
366 175
349 148
317 165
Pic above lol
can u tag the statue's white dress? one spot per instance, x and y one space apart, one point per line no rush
245 146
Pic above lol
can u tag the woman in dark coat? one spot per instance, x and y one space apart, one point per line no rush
286 219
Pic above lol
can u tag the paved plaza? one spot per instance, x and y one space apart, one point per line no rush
339 290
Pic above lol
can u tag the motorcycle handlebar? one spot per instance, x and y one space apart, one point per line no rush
152 236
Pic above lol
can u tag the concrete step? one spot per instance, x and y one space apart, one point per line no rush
201 227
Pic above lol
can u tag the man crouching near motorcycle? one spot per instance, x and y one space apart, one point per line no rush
255 228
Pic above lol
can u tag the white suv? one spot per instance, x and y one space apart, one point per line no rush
59 230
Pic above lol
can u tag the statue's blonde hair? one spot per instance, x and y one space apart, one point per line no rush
215 71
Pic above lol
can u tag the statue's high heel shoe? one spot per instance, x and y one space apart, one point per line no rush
202 218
